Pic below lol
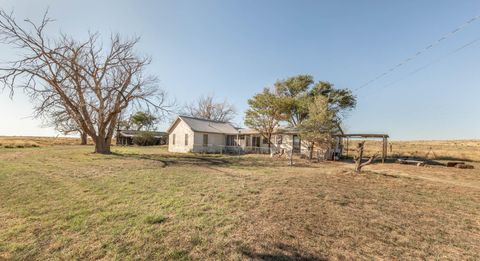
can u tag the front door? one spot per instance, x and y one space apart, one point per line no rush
296 144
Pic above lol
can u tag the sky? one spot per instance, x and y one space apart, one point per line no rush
234 49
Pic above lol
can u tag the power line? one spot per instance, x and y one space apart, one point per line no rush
420 52
432 63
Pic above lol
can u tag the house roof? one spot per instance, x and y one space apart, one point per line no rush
133 133
202 125
281 130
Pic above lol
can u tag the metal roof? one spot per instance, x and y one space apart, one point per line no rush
368 135
133 133
202 125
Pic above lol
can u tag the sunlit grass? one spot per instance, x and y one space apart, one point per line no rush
64 202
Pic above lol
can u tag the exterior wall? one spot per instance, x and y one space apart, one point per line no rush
180 130
216 142
286 144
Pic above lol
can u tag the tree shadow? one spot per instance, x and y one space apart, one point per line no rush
211 160
282 252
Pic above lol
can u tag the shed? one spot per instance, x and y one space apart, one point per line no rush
125 137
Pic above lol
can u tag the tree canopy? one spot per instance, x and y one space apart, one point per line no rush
264 113
314 108
143 120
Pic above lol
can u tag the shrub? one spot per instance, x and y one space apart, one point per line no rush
20 146
145 139
9 147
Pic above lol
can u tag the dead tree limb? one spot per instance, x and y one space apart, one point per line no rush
91 82
358 159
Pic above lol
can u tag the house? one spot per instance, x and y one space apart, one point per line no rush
189 134
125 137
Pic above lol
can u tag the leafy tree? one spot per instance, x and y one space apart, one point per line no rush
295 94
143 120
264 114
315 109
209 109
318 127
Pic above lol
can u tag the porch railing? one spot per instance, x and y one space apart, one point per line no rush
211 148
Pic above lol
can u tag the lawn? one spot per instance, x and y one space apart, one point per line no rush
62 202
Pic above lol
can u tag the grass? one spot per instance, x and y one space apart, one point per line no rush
33 142
468 150
62 202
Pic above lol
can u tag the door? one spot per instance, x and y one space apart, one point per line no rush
296 144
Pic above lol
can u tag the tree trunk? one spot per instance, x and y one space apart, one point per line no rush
358 160
270 144
310 155
84 138
102 145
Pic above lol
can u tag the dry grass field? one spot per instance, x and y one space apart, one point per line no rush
26 142
468 150
62 202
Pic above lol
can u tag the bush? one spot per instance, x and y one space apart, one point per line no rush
145 139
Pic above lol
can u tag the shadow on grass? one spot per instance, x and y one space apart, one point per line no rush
282 252
212 160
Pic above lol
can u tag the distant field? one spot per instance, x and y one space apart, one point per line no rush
25 141
64 203
447 149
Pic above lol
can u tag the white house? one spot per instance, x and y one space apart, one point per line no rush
189 134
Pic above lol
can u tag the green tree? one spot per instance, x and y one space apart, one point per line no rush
319 126
315 108
294 94
143 120
264 114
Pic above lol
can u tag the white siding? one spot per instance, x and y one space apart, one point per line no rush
180 129
216 142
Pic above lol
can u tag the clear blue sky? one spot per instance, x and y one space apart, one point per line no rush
233 49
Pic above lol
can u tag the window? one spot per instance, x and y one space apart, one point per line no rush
296 144
255 141
265 140
173 139
231 140
279 139
186 139
205 139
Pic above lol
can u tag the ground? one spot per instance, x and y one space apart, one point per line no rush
63 202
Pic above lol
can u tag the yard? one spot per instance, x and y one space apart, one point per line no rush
62 202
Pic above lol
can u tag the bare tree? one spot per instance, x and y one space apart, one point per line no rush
60 120
209 109
358 158
93 84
